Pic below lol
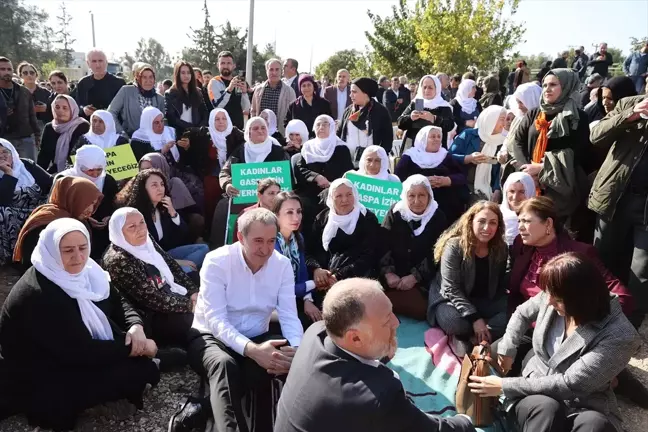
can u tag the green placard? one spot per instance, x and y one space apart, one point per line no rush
246 176
377 195
120 162
231 231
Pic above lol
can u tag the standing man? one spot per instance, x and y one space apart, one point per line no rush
444 79
394 99
456 80
273 94
228 92
579 63
636 67
231 345
207 76
339 95
96 91
383 85
560 62
337 381
291 76
21 126
600 61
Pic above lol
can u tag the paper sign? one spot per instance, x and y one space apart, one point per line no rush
120 162
246 176
377 195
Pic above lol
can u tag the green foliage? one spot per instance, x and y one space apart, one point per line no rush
65 38
152 52
617 54
637 43
455 34
48 68
535 61
23 33
204 51
345 59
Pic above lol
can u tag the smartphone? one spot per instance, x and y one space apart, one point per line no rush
492 160
418 105
186 134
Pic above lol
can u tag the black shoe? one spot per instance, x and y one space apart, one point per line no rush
192 415
633 390
171 359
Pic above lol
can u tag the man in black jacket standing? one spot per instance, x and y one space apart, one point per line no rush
600 61
580 61
96 91
291 76
337 381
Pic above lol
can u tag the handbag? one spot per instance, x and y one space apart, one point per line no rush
479 363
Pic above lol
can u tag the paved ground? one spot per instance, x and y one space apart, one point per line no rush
162 401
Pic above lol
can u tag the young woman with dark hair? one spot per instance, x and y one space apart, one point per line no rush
183 101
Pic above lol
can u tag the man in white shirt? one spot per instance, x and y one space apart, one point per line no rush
230 344
339 95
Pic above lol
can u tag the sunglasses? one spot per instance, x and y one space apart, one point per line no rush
30 72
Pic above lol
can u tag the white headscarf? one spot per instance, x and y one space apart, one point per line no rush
437 100
403 208
146 252
145 132
468 103
420 156
89 156
384 164
299 127
510 217
529 94
272 121
25 179
485 125
109 137
257 152
321 149
90 285
346 223
219 138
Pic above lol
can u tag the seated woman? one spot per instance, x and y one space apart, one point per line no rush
150 279
374 163
147 192
468 297
429 158
411 228
578 348
309 105
296 137
23 187
271 119
436 111
344 240
69 341
90 164
290 243
181 198
322 160
476 149
518 188
102 132
465 108
526 98
61 134
71 197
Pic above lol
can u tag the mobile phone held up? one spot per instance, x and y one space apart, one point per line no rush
419 105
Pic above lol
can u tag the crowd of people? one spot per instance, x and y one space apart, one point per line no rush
520 199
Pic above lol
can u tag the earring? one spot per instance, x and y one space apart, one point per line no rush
547 232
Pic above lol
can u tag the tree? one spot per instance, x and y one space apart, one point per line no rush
65 38
204 51
393 42
452 35
535 61
637 43
345 59
48 67
23 33
152 52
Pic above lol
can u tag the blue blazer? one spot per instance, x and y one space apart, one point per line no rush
302 275
469 142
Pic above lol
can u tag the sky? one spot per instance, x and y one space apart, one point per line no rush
552 25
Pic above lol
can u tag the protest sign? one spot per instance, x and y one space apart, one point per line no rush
120 162
377 195
246 176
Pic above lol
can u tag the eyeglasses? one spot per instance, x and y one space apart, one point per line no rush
29 72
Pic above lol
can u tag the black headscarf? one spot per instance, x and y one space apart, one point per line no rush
367 85
620 87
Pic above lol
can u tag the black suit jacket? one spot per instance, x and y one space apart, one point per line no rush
329 390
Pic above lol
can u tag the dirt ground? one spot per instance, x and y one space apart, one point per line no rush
173 389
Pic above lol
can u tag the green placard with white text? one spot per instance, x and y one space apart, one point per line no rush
246 176
377 195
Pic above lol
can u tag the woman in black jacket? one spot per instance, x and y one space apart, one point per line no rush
68 340
492 95
102 132
184 105
23 187
411 228
309 105
59 83
436 111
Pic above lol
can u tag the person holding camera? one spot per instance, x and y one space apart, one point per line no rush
227 91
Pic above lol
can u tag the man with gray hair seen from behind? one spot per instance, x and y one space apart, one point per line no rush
231 344
273 94
97 90
337 381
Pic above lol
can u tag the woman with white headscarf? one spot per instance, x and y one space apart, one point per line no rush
344 240
412 227
465 108
477 150
61 134
436 111
23 187
296 136
525 98
102 132
374 163
271 119
149 278
446 176
518 187
69 341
